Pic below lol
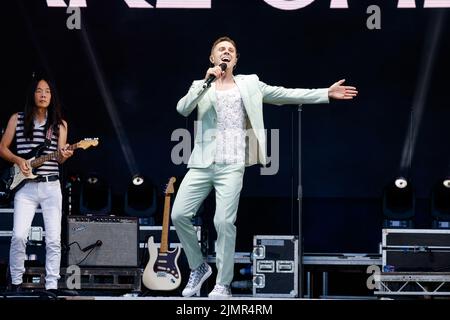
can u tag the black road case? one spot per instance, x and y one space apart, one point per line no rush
405 250
275 266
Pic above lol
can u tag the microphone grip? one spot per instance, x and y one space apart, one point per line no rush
209 81
212 77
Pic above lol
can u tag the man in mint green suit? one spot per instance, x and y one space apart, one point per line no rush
230 135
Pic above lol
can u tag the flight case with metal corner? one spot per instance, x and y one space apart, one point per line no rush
416 250
275 266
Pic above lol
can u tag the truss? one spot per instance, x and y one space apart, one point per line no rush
413 283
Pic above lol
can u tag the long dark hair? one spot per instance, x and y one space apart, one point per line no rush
54 115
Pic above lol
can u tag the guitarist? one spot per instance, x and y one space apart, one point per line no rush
40 126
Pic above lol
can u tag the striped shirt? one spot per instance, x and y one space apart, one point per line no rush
25 145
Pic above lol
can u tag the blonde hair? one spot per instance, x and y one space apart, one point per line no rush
228 39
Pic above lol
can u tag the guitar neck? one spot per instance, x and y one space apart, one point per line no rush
165 226
51 156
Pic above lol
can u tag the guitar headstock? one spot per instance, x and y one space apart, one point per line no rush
88 142
169 188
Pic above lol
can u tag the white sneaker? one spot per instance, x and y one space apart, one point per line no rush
220 291
196 279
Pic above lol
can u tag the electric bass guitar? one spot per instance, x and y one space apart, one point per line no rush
162 272
15 179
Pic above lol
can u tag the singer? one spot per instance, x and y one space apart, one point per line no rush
40 124
229 111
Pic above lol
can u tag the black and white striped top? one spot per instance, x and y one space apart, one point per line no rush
24 145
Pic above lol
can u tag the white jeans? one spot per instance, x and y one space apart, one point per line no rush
26 201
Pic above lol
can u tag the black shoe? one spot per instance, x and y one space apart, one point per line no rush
16 288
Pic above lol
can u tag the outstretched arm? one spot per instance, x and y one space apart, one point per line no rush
340 92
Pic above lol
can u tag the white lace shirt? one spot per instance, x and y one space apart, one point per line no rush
231 127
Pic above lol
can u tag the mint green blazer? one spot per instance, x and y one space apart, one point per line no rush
253 93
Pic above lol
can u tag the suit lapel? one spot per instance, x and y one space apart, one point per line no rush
243 90
212 95
244 93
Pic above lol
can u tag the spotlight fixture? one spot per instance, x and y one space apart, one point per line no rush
440 204
401 182
140 199
95 196
446 182
398 204
138 180
92 180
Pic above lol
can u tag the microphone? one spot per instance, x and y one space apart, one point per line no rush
98 243
212 77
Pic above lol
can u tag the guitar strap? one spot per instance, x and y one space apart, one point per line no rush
48 136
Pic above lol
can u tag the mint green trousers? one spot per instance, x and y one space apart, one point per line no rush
226 179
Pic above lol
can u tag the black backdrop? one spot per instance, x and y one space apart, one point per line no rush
149 57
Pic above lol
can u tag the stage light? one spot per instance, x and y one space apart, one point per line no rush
440 204
95 196
401 182
446 182
138 180
92 180
398 204
140 200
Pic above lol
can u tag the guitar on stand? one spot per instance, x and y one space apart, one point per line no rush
162 272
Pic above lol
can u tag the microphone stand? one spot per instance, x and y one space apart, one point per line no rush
300 203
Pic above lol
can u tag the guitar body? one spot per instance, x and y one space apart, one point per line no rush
161 272
17 179
14 178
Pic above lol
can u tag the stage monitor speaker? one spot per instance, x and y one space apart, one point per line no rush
103 241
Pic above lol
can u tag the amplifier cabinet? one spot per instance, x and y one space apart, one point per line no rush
102 241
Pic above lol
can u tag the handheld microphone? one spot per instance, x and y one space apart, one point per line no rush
98 243
212 77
